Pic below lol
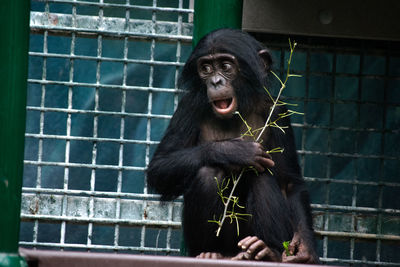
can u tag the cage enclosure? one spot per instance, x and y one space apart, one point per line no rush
102 88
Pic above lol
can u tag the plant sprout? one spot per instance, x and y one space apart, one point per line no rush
286 247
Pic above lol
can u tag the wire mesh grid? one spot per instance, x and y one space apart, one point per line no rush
74 196
100 94
346 140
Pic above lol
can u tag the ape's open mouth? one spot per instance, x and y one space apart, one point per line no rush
223 103
225 106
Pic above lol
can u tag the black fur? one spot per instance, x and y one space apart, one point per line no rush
185 164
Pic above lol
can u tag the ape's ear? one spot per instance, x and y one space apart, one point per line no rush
267 59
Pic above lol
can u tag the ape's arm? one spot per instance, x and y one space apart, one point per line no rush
179 156
169 170
302 245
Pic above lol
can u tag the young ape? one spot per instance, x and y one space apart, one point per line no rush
227 72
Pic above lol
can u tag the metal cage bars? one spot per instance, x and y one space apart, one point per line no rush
355 208
147 213
75 25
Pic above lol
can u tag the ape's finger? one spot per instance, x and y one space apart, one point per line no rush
266 162
240 256
200 256
258 245
216 255
243 241
267 253
293 245
258 166
205 255
295 259
213 255
246 244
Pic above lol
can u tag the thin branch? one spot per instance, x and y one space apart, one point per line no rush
276 102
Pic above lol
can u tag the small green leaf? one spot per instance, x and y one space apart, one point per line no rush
286 247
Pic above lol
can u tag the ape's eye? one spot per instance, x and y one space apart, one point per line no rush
226 66
207 69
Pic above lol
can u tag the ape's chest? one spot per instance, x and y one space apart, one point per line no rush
249 129
209 133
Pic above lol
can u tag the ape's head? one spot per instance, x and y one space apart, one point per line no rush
229 67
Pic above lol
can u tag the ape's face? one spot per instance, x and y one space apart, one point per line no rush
218 71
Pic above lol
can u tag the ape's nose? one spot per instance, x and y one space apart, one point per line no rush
217 81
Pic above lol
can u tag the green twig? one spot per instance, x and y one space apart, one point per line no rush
231 199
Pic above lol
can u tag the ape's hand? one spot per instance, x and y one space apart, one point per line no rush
240 153
259 158
210 255
300 252
254 248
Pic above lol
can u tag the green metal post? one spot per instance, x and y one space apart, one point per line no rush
210 15
14 43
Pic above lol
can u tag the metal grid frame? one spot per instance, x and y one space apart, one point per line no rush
64 205
325 212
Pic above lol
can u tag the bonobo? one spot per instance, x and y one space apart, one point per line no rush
226 73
